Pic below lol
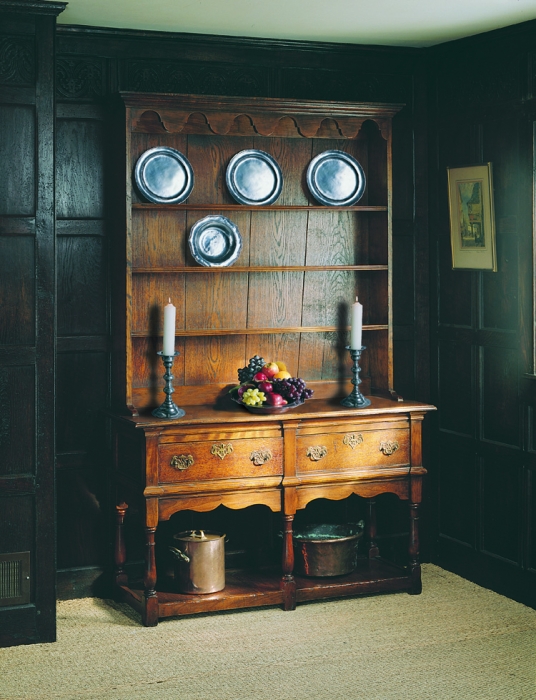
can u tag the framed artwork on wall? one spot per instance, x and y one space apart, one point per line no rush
472 217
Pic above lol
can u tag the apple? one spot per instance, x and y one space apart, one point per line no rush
276 399
270 369
260 377
265 386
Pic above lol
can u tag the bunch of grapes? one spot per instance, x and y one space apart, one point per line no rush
246 374
292 389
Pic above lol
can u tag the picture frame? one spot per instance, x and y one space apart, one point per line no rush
472 217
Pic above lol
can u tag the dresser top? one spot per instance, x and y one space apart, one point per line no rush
226 411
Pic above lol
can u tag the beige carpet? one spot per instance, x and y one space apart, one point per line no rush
456 640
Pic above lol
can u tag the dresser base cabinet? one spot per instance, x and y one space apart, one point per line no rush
227 456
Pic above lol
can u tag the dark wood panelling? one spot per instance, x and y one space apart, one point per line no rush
27 298
17 291
82 288
530 482
17 60
458 515
483 339
501 498
344 84
17 420
80 169
82 386
456 387
201 78
80 78
501 412
17 192
403 276
17 531
82 537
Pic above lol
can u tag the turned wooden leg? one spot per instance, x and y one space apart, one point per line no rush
373 550
414 565
120 551
288 583
150 598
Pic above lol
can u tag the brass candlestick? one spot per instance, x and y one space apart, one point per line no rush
356 398
168 409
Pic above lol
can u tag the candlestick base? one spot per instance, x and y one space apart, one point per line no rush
356 398
168 409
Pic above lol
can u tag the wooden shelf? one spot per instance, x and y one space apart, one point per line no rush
258 331
248 589
258 268
243 207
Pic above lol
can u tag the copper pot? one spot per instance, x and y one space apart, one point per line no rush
200 561
326 550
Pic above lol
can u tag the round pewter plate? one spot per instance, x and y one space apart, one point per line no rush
335 178
254 177
215 241
164 176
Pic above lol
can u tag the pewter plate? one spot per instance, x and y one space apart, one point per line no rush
215 241
164 176
254 177
335 178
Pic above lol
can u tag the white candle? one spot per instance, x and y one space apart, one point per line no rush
168 347
357 325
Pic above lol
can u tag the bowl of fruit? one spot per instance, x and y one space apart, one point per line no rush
267 387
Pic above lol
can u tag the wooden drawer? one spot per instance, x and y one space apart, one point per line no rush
352 450
220 459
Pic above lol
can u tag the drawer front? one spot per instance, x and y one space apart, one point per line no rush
352 450
220 459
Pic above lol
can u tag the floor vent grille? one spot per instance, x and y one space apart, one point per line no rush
15 578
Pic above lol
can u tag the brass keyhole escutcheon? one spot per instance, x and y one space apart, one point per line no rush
260 457
181 462
389 448
221 450
352 439
316 452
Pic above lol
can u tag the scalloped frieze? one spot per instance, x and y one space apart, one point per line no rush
17 60
198 78
223 123
79 78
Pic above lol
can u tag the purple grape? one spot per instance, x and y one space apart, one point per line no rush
292 389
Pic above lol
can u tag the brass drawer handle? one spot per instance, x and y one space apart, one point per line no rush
352 439
389 448
260 457
316 452
181 462
221 450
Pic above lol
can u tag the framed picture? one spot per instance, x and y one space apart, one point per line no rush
472 217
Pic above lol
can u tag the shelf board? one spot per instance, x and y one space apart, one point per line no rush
259 331
258 268
243 207
244 589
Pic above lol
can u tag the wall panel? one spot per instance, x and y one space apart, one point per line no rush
17 420
27 301
17 192
17 292
484 383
